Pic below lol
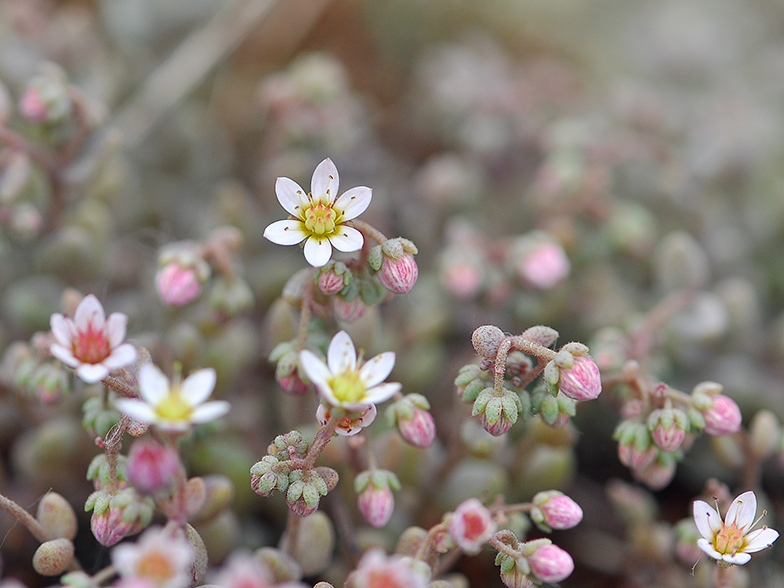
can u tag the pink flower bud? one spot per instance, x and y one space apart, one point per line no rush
550 563
556 510
582 381
658 474
398 275
152 466
346 311
634 458
540 261
32 107
330 282
668 439
376 501
419 430
177 285
471 525
109 528
723 418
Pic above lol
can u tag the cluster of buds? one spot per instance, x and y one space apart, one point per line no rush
283 470
654 434
498 386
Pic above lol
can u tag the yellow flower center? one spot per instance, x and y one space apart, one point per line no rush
729 540
155 568
320 219
348 387
174 407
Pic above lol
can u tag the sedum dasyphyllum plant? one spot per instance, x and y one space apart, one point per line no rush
184 403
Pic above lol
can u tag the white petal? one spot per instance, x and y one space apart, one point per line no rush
285 232
141 411
707 519
153 384
120 356
341 355
92 372
376 370
737 559
317 251
760 539
346 239
325 181
62 329
64 355
291 196
170 426
209 411
315 369
326 393
115 328
382 392
89 312
742 510
198 386
354 202
707 547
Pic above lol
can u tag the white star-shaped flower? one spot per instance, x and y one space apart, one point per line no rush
91 343
343 381
319 217
732 540
174 406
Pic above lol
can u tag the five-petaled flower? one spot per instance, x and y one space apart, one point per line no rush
174 406
91 343
319 218
732 540
346 382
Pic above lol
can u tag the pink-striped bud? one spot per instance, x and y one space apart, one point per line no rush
658 474
471 525
118 516
333 277
413 420
723 418
550 563
177 285
668 428
555 510
635 458
395 266
581 381
375 499
152 466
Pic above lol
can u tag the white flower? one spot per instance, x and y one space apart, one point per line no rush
91 343
319 216
160 558
175 406
343 382
732 540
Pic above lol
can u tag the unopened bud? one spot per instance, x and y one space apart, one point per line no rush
723 418
764 433
550 563
581 381
413 420
497 412
486 340
153 466
396 269
333 277
555 510
375 499
56 516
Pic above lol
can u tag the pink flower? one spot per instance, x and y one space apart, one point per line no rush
319 217
177 285
556 510
378 570
550 563
152 466
244 570
91 343
160 557
732 540
471 525
582 381
723 418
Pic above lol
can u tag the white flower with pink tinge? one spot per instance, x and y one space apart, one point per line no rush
732 540
345 382
161 558
174 406
91 343
319 217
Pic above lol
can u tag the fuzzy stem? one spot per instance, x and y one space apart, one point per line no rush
24 517
368 230
305 313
